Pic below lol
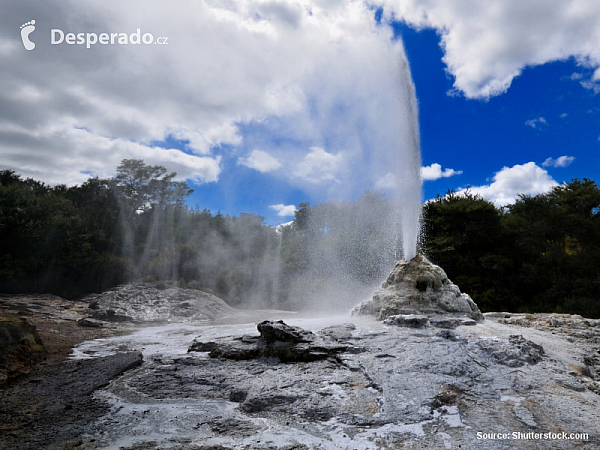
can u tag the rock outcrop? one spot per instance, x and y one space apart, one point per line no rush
144 302
418 287
277 340
20 347
55 410
424 388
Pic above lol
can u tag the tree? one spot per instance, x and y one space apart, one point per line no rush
463 234
143 186
557 249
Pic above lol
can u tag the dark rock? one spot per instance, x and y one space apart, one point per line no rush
16 330
407 320
87 375
238 396
267 402
271 332
591 365
237 352
108 315
94 305
532 353
58 407
202 346
20 348
233 427
447 397
89 323
447 334
277 340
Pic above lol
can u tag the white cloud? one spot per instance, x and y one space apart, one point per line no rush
508 183
592 85
279 76
561 161
487 44
591 82
66 154
535 123
261 161
434 172
387 182
318 166
283 210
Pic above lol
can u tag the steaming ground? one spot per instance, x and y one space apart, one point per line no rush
385 387
402 388
155 303
174 339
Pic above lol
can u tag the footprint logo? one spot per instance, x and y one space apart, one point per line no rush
26 29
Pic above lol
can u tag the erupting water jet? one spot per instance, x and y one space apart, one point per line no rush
409 195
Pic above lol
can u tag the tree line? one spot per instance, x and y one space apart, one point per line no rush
72 241
540 254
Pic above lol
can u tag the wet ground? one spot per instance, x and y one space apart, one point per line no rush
402 388
395 387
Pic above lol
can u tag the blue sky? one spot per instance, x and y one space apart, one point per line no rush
263 104
546 113
544 116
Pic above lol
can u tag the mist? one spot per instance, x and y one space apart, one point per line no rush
331 257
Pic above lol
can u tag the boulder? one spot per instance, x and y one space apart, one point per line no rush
109 315
277 340
146 302
90 323
20 347
272 333
407 320
338 332
418 287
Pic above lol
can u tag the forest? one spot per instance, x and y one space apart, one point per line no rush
540 254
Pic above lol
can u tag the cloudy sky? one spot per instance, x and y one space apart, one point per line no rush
264 104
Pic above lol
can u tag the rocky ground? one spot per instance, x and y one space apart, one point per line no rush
46 399
333 383
144 303
368 386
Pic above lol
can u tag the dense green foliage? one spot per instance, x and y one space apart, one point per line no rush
82 239
540 254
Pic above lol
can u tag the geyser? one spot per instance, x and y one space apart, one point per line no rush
409 192
347 248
